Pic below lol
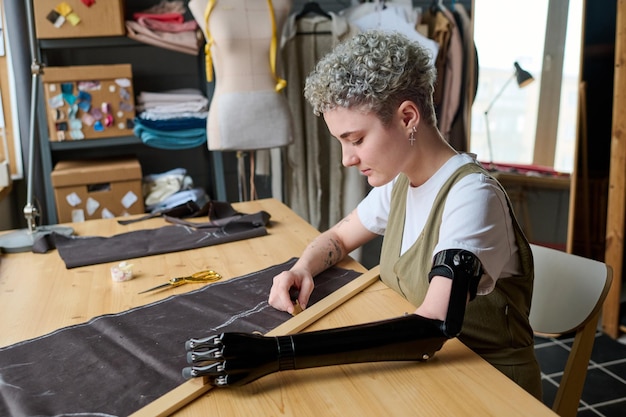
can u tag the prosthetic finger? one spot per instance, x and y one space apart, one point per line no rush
231 357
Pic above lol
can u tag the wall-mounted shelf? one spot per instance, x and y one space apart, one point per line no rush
109 41
95 143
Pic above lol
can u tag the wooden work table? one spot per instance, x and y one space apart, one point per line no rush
39 295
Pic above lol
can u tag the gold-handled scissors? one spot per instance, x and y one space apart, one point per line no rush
202 276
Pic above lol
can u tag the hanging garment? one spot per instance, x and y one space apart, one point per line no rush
395 19
459 131
449 63
317 186
453 80
439 31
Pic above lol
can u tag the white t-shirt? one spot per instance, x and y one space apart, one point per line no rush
475 218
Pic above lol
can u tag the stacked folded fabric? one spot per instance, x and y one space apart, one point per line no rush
174 119
164 25
170 189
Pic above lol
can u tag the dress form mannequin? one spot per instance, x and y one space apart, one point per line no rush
246 112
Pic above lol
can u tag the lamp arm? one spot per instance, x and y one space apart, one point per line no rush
30 210
490 148
497 96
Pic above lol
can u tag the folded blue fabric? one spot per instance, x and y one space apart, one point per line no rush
177 139
178 123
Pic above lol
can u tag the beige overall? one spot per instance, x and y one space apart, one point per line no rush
496 325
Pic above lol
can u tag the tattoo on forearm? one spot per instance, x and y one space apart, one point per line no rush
334 253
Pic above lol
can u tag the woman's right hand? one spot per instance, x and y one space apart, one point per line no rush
298 279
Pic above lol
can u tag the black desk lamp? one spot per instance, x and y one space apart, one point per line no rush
22 240
523 78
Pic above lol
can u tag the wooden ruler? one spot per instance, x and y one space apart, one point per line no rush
194 388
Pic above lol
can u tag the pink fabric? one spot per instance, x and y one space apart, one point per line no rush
163 17
172 27
186 42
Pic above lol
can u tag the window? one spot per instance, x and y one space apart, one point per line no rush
535 124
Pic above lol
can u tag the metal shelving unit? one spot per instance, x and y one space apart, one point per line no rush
51 151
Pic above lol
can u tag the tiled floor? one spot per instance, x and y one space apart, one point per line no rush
604 393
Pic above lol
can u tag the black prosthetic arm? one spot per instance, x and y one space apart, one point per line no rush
233 359
465 270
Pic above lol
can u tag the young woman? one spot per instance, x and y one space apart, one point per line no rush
430 203
451 245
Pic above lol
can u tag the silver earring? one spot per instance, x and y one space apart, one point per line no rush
412 136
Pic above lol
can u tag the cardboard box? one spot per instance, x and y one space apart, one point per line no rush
89 101
94 189
56 19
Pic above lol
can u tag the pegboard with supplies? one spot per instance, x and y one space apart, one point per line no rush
89 102
62 19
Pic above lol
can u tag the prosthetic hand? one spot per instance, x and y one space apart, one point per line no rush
232 359
238 358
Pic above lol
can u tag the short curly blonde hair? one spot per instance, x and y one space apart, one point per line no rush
375 71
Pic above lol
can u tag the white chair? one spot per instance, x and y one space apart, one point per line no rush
568 294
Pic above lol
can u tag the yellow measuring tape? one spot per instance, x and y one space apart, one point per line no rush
280 83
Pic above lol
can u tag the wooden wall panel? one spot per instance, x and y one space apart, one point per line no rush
6 103
616 211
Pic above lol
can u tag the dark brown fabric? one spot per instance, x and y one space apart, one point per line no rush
188 209
213 209
225 225
115 364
